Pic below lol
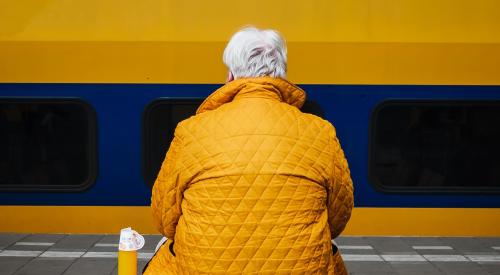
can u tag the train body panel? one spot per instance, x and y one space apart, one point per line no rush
351 57
120 112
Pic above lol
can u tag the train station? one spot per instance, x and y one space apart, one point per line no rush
249 137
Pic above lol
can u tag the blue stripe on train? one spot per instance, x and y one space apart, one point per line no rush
120 108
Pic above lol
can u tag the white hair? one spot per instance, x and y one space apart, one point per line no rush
253 53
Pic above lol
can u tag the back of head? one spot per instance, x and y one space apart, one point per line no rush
254 53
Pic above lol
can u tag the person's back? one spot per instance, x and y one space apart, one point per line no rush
252 185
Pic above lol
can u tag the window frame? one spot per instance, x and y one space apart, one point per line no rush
91 148
424 190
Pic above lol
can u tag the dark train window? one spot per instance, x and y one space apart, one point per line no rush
161 118
436 146
47 145
312 107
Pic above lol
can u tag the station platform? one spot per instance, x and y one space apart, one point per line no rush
54 254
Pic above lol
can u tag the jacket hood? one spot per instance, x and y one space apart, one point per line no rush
261 87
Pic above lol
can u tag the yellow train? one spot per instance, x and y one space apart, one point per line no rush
91 90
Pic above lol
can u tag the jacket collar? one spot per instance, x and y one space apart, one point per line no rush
261 87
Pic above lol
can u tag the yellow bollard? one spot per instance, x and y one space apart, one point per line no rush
130 242
127 262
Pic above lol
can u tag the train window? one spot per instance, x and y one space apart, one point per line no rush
161 118
436 146
47 145
312 107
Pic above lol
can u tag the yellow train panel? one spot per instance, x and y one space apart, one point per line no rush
438 21
365 221
170 41
201 62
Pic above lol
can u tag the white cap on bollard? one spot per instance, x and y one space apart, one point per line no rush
130 240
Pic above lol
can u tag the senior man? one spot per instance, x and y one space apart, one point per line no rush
251 184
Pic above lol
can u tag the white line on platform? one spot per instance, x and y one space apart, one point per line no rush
446 258
61 254
34 243
106 245
361 258
347 257
432 247
496 247
361 247
403 258
484 258
19 253
100 255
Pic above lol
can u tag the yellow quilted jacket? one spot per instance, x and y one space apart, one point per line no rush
252 185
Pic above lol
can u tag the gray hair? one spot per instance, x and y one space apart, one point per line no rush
253 53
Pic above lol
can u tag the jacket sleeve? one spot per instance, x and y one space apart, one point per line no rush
340 190
167 192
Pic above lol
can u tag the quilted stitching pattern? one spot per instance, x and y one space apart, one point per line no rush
252 185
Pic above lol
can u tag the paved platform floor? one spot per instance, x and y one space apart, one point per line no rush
43 254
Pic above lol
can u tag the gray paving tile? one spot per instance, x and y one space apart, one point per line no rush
460 268
415 268
489 242
36 238
467 245
400 253
350 241
150 242
422 241
46 239
438 252
491 268
368 267
403 257
103 249
106 239
8 265
8 239
381 246
49 238
389 245
358 251
84 266
347 245
28 247
75 243
417 272
44 266
110 238
374 273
